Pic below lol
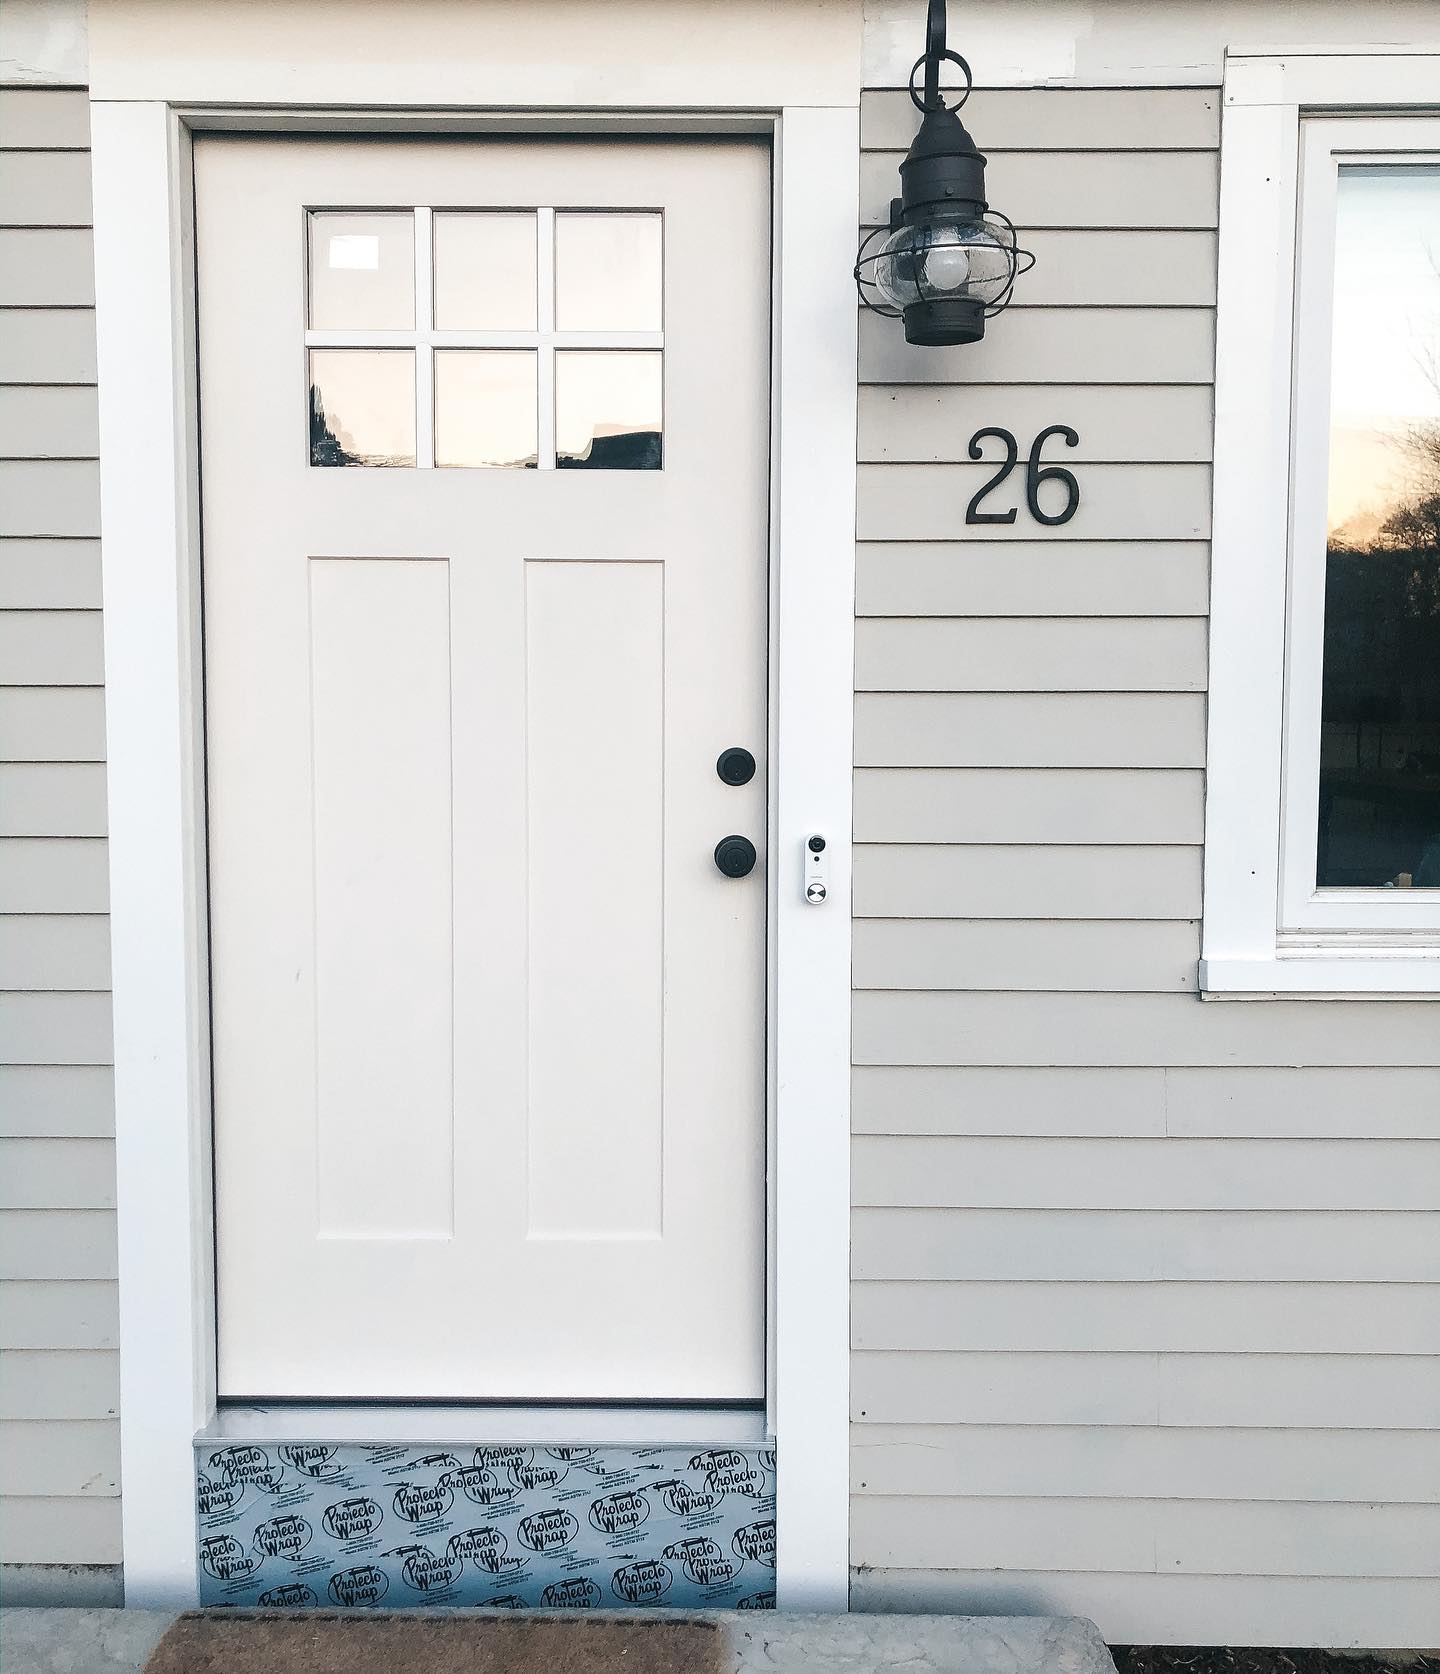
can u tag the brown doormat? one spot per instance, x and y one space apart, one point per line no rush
381 1642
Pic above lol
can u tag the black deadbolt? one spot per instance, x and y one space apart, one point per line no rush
736 767
735 856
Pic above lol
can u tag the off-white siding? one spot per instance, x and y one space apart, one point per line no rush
1146 1291
59 1444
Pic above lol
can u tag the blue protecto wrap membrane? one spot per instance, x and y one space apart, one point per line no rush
310 1524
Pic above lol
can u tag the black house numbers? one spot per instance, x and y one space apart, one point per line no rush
1037 474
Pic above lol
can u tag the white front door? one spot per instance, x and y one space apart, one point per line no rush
484 435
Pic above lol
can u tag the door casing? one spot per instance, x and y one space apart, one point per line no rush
145 298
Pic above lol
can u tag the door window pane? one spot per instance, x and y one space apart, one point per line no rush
485 407
607 410
607 272
362 407
362 271
1379 823
485 272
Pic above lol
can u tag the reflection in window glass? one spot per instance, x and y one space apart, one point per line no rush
485 272
607 410
362 407
1379 810
362 272
607 272
486 407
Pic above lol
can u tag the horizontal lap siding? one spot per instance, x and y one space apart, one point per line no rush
1145 1462
59 1436
1146 1304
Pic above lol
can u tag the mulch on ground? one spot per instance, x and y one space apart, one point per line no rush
1206 1659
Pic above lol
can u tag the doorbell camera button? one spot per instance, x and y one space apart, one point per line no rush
816 887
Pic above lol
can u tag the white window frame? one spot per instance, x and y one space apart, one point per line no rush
143 217
1326 146
1290 121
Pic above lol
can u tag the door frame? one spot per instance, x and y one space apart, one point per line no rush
144 225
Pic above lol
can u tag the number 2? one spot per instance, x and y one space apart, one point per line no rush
973 514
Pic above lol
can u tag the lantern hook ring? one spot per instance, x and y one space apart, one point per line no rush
936 53
921 100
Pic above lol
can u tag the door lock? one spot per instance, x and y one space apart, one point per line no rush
735 856
735 766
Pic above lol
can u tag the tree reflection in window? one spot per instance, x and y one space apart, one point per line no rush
325 448
1379 793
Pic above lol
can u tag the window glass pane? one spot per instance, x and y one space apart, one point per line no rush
607 272
607 410
362 407
485 407
1380 708
485 272
362 272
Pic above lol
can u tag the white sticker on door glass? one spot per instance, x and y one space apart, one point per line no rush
354 252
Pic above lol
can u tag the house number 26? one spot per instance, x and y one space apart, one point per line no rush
1036 474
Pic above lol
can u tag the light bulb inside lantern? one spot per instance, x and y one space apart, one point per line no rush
947 267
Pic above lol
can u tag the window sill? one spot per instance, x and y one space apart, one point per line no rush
1372 975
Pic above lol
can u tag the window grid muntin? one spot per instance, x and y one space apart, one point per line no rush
427 337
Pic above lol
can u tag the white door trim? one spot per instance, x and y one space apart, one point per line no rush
149 514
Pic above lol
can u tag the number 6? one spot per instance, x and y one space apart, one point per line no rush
1036 473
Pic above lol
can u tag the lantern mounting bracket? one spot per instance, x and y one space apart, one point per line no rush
935 54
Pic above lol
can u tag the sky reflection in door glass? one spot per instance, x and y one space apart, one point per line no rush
607 272
486 407
485 269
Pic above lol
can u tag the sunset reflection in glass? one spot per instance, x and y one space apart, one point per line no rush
1379 811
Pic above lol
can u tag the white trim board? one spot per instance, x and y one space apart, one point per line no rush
1259 938
1134 43
632 56
149 498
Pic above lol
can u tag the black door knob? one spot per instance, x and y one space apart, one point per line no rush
735 856
736 766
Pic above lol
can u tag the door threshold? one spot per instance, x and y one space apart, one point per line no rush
591 1426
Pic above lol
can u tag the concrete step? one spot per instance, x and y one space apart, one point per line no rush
762 1642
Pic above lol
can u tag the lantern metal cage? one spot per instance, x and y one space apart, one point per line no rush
948 261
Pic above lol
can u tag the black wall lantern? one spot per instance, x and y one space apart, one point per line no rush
949 262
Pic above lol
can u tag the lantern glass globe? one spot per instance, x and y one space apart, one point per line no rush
939 260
